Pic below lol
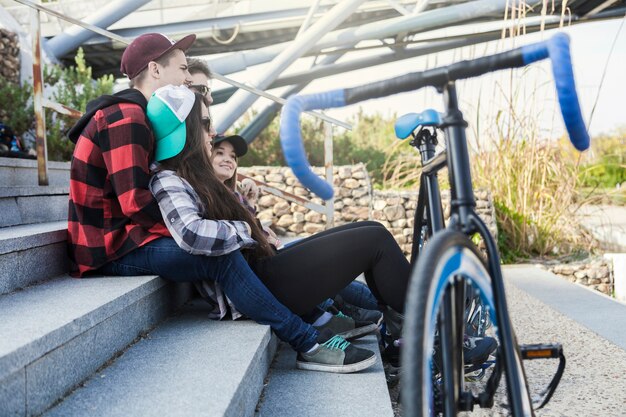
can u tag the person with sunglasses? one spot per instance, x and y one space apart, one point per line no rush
213 234
201 78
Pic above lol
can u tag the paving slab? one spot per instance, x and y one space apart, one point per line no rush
596 311
188 366
295 393
593 383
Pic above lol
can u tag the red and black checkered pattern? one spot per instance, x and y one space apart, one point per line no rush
111 210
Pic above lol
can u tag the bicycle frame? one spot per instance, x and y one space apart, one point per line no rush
464 218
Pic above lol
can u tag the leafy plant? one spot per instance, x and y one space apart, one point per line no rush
73 87
348 147
16 105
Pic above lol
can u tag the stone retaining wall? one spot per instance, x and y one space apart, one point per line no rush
596 274
354 201
9 56
9 62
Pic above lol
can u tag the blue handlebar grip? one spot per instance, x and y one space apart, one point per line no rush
557 48
291 137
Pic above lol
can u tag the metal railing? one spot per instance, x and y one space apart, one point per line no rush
40 104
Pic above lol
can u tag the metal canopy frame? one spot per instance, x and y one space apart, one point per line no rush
318 39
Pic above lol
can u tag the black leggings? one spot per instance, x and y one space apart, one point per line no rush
318 267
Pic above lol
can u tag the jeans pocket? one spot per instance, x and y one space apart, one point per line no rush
128 270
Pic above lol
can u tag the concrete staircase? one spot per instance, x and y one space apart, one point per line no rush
108 346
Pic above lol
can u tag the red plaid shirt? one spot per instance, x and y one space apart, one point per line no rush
111 209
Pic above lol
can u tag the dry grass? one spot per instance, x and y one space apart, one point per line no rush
533 181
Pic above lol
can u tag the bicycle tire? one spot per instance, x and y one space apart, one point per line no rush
448 254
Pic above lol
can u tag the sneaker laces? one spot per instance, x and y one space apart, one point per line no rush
336 342
340 315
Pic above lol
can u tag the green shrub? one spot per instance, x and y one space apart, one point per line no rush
348 147
605 165
16 105
71 86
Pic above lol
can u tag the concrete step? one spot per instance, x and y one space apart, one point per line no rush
33 204
15 172
55 334
187 366
295 393
32 253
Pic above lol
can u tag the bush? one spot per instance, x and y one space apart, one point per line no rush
348 147
605 165
16 105
71 86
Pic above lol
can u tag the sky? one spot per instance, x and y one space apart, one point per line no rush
590 44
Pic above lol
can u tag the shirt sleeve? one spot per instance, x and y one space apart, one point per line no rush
194 234
127 146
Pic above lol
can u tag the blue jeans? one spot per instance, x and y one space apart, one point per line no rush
165 258
356 293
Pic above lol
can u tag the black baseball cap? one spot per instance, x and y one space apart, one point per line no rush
239 143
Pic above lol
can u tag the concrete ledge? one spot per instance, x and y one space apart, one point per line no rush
19 238
23 191
28 205
295 393
23 172
188 366
56 334
595 311
32 253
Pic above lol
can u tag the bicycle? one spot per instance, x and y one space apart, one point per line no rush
436 296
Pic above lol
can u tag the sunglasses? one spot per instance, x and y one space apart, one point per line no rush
206 124
200 88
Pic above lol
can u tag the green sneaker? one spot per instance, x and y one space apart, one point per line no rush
347 327
336 355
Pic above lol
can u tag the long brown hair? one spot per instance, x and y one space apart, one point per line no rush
194 165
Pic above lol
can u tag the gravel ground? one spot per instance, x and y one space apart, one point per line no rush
593 383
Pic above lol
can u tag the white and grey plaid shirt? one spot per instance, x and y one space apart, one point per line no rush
182 213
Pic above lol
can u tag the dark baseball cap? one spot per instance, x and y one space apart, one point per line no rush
149 47
239 143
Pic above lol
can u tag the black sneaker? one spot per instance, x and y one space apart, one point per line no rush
335 354
358 313
347 327
476 350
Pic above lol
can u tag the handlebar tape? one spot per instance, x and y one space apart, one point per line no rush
291 137
557 48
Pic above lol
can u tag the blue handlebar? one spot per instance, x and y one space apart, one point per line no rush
557 48
291 138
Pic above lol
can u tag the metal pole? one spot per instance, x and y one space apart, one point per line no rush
328 163
389 28
73 37
40 112
241 101
277 100
307 20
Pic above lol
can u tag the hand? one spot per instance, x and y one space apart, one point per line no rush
249 190
272 239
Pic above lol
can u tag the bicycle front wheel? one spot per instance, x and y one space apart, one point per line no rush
432 378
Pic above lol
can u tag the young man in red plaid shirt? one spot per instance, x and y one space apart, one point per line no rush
111 210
